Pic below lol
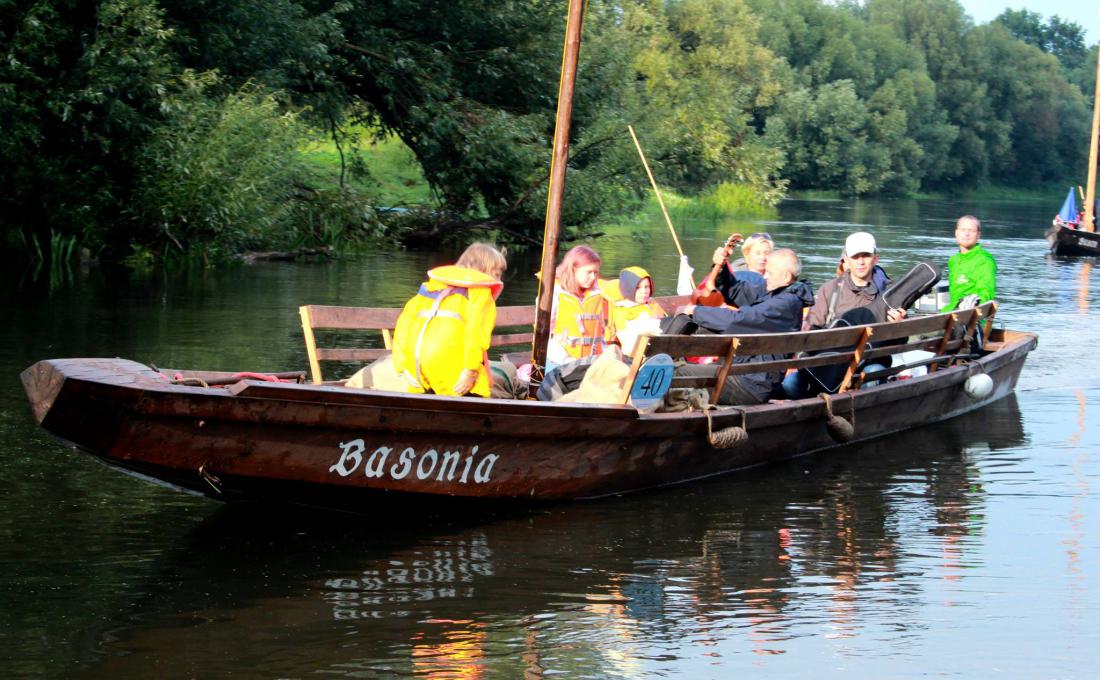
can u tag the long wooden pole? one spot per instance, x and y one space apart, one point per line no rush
558 162
1090 187
656 191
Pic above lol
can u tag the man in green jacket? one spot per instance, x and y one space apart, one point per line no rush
972 269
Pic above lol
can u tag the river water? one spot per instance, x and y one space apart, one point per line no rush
965 549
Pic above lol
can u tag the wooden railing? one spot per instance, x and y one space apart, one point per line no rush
515 325
839 346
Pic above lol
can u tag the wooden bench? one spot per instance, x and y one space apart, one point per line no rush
848 346
515 326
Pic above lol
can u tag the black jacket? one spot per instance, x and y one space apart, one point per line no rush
779 311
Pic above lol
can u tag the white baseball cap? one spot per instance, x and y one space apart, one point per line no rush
859 242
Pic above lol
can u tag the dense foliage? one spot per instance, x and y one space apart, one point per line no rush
147 127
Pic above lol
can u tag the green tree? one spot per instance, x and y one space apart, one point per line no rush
704 75
1064 39
81 88
218 175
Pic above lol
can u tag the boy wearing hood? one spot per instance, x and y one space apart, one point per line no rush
778 310
634 300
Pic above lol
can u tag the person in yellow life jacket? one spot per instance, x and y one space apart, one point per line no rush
578 316
441 340
630 299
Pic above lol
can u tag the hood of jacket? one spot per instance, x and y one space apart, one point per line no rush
802 289
629 279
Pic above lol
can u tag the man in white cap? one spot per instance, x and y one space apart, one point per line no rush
854 288
861 283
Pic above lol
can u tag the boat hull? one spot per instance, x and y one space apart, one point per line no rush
364 449
1065 241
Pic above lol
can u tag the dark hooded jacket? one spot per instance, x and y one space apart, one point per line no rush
740 288
779 311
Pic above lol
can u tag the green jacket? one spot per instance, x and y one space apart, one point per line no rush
974 271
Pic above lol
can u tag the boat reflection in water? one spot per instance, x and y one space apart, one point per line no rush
823 545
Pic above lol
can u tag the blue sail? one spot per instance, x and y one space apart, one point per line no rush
1068 213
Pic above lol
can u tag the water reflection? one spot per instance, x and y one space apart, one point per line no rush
737 566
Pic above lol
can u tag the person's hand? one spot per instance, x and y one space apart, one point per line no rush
686 309
719 256
465 382
895 314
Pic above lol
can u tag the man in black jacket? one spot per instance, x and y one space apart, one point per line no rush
777 310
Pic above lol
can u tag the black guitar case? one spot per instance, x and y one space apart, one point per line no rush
904 293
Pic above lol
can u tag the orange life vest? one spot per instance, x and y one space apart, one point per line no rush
580 324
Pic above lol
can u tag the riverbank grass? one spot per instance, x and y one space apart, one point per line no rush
392 177
724 200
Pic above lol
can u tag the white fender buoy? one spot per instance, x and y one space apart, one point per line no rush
979 386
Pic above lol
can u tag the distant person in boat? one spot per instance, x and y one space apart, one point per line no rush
579 313
631 308
1059 222
778 310
441 340
972 270
861 282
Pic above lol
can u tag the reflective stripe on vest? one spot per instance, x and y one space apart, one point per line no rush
439 296
580 333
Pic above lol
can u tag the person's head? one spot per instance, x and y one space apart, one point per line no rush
756 249
483 258
968 230
783 269
636 284
860 256
578 270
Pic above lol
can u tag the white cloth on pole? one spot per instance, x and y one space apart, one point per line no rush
684 286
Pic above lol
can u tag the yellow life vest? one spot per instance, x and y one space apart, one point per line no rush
623 310
580 324
445 328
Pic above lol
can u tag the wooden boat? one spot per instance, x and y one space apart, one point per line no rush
1064 240
1070 235
236 438
231 436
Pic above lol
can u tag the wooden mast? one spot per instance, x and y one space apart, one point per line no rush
1090 187
558 163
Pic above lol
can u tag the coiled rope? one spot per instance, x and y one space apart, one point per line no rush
726 438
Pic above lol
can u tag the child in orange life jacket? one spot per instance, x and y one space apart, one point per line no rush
441 340
578 316
630 301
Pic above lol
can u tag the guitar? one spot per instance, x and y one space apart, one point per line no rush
706 294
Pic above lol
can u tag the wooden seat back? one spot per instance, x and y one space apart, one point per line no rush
519 319
514 326
848 345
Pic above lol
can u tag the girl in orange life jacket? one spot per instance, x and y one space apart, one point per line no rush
578 316
441 340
